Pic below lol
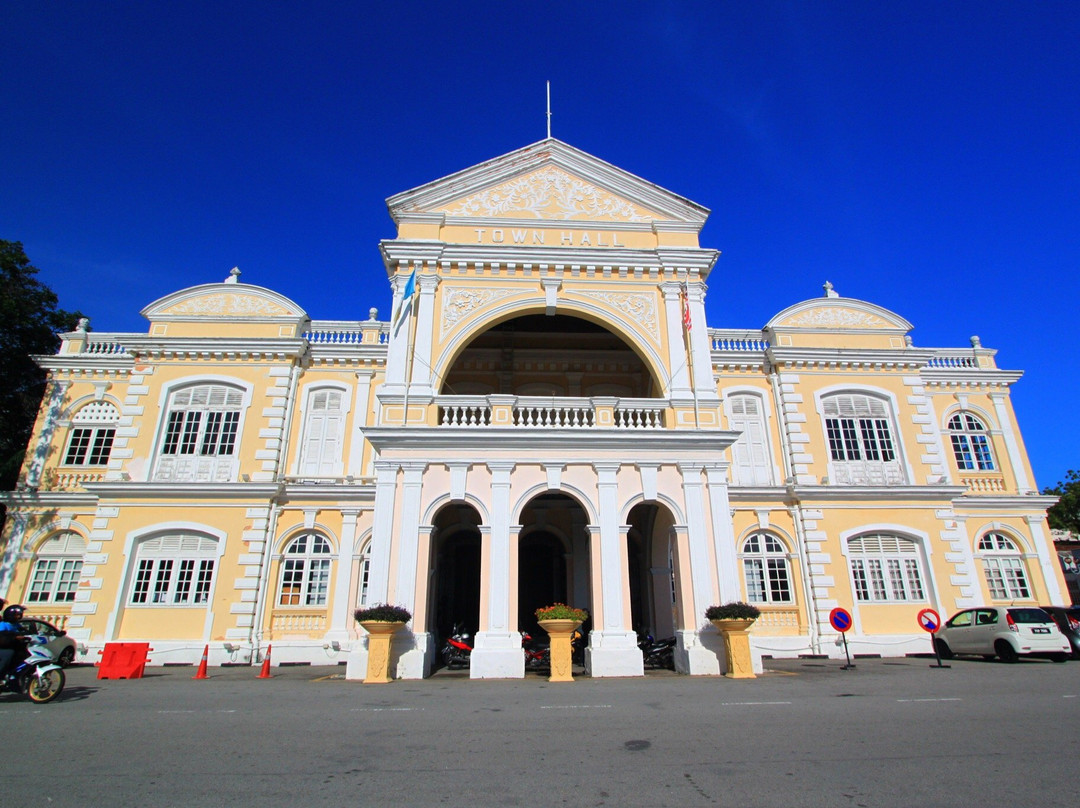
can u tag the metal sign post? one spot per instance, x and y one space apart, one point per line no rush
930 621
840 619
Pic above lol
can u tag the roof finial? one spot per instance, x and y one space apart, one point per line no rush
829 291
234 275
549 109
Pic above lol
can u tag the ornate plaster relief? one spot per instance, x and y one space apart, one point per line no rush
549 193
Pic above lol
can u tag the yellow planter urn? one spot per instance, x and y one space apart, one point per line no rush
561 633
736 634
380 632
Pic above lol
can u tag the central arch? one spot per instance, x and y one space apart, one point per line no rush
553 557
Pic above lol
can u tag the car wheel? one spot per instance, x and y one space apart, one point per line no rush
67 656
943 649
1059 657
1005 652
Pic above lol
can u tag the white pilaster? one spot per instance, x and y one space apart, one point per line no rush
497 650
1047 560
727 560
612 647
340 619
420 383
1012 446
382 532
680 375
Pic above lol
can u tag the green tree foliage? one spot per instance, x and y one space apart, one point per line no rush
1065 515
29 324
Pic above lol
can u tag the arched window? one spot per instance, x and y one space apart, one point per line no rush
324 430
57 566
970 443
765 565
750 453
201 425
174 570
885 568
365 574
1003 566
91 437
305 571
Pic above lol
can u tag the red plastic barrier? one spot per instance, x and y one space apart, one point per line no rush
123 660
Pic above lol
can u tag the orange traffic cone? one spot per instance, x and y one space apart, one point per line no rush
201 673
265 672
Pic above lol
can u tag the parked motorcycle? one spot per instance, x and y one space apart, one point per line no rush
457 652
657 653
537 653
38 677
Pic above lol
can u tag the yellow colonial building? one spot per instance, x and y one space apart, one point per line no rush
545 416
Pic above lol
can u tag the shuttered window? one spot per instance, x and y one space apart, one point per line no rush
750 453
885 568
324 429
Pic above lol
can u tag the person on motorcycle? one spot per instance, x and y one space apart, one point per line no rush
10 636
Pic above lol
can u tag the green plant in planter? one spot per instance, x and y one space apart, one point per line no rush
560 611
383 613
736 610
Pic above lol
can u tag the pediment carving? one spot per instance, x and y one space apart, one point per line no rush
548 193
226 304
835 317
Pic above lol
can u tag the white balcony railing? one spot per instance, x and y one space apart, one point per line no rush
531 412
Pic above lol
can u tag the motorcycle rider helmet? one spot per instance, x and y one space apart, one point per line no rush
14 613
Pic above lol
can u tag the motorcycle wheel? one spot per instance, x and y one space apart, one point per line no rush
46 687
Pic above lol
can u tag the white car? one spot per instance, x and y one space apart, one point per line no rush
1007 632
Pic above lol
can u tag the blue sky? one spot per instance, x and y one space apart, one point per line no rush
923 156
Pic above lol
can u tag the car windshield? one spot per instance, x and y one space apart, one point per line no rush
1029 616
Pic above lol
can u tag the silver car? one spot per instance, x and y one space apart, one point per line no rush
1007 632
60 645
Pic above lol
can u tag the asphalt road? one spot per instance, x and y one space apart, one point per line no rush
891 733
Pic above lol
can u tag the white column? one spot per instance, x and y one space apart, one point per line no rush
1012 446
679 385
612 647
340 619
422 372
497 651
411 653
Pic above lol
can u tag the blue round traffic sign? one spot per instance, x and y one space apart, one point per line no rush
840 619
929 620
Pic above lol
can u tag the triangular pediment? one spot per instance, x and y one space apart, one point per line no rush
548 180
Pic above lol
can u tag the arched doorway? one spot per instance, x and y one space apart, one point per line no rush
553 557
654 602
455 584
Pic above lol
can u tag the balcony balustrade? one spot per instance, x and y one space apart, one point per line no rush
529 412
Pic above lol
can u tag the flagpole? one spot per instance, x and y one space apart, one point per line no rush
414 304
687 326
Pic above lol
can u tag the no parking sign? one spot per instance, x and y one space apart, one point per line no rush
840 619
929 620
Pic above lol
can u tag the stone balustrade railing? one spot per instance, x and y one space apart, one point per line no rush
332 332
737 340
297 623
984 485
531 412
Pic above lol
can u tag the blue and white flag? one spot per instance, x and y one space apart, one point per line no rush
406 298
